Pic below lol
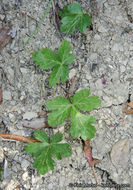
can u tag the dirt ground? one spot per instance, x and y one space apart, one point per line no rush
104 64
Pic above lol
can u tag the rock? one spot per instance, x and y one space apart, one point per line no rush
62 181
102 28
29 115
7 95
131 155
1 155
1 58
25 176
72 73
24 164
117 47
24 70
50 186
9 184
120 153
79 151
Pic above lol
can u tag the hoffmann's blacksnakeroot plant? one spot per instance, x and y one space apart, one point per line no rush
61 109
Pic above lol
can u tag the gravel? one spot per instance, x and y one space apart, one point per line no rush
106 50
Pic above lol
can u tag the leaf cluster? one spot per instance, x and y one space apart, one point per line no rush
47 59
81 124
47 148
73 17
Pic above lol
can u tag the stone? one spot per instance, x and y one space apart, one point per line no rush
29 115
25 176
7 95
1 155
50 186
72 73
24 164
23 70
117 47
131 155
1 58
120 153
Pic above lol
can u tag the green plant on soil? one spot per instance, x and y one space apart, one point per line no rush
81 124
45 149
47 59
73 17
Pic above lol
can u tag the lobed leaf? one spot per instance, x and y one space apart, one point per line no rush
61 109
81 124
43 151
85 103
41 136
59 73
73 17
47 59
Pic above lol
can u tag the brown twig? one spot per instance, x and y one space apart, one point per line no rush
56 19
18 138
0 95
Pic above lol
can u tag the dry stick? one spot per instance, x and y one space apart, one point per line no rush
56 19
0 95
18 138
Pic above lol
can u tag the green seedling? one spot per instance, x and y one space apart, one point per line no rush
47 59
45 149
73 17
81 124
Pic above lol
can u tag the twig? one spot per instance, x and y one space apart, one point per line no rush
0 95
56 19
18 138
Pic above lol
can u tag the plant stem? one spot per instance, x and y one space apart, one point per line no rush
18 138
39 24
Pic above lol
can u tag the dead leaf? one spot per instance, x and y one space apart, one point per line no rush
128 110
5 36
120 153
88 154
130 104
41 113
123 123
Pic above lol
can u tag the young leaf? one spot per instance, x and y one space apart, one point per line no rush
73 17
85 103
44 150
81 124
61 108
47 59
